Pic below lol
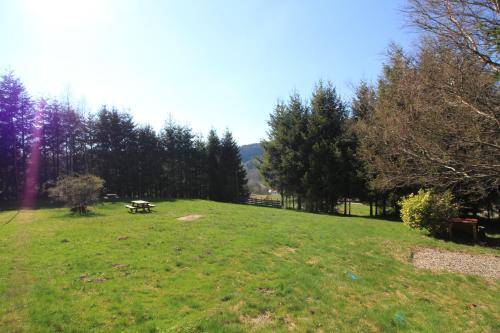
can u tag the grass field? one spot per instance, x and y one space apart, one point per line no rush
237 268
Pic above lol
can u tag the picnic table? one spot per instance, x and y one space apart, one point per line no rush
135 205
466 221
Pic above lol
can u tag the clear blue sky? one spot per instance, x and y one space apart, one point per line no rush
205 63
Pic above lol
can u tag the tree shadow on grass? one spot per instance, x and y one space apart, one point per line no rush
387 218
464 237
76 216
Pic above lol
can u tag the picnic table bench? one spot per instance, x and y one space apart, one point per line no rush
135 205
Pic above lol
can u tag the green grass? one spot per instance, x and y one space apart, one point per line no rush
238 268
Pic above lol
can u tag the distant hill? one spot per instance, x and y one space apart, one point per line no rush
249 154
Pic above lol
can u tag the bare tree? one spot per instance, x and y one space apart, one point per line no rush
468 25
435 123
78 192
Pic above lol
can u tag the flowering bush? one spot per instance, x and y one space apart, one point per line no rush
428 210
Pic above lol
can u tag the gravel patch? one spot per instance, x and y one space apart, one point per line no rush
487 265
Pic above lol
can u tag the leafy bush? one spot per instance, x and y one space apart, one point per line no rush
78 192
428 210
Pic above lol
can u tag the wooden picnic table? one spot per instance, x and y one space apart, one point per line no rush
467 221
140 204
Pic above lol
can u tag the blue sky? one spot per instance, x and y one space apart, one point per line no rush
204 63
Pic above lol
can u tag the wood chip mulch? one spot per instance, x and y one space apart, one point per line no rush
487 265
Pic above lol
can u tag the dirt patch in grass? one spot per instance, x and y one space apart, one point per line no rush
288 321
261 320
191 217
487 265
86 277
265 290
312 261
284 250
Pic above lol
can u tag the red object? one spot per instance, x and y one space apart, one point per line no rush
463 220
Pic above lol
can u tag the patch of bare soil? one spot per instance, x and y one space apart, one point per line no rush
123 238
312 261
288 321
284 250
86 277
265 290
263 319
189 217
487 265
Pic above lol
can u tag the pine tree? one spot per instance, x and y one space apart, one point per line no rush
199 164
285 153
115 145
233 174
215 191
325 127
148 163
16 115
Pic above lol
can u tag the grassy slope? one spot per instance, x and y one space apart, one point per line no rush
237 268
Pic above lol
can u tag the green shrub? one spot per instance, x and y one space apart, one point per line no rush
428 210
78 192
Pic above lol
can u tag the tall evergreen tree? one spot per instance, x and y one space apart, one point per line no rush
148 164
16 115
200 172
328 176
115 145
232 172
213 167
362 108
286 152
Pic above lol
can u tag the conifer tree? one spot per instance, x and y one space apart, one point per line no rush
233 174
213 167
16 115
327 172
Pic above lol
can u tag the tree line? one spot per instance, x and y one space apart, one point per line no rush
42 140
432 120
308 156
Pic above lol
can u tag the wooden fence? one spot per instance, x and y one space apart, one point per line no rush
262 202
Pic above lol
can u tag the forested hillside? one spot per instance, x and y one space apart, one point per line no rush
249 157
